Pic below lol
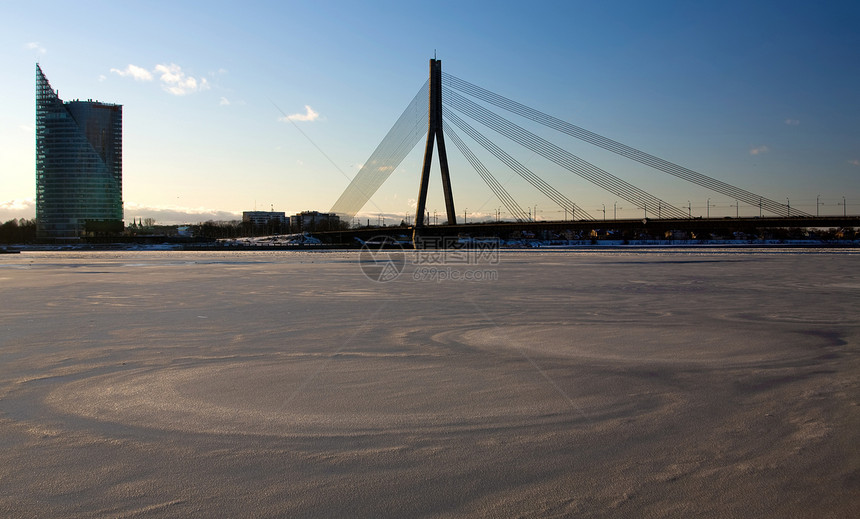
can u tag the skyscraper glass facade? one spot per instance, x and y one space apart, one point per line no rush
78 165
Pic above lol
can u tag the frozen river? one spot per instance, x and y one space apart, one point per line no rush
632 383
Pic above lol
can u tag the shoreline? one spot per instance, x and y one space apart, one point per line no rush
533 245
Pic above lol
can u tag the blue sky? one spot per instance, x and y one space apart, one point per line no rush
762 95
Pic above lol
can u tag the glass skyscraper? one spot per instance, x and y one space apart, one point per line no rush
78 166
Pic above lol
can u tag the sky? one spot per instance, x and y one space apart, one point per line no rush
761 95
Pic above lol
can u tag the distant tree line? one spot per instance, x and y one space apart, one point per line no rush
18 231
240 229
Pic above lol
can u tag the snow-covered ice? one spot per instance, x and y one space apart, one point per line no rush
630 383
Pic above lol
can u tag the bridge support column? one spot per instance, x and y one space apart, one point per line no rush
434 133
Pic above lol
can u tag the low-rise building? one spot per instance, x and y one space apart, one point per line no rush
314 221
264 218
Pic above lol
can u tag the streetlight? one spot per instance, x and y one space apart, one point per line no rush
709 208
615 210
604 212
689 209
465 216
788 204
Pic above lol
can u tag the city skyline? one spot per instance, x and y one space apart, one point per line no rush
231 109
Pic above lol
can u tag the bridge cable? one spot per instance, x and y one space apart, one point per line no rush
501 193
520 169
560 156
619 148
401 139
571 162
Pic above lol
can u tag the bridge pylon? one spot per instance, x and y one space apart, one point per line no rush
434 133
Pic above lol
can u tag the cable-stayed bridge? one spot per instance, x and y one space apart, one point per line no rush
457 107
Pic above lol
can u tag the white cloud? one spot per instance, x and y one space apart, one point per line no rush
175 81
34 45
759 151
308 116
19 208
224 101
133 71
27 128
102 77
175 215
172 78
792 122
854 162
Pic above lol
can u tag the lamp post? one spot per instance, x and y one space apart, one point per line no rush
604 212
817 205
788 204
709 208
615 210
689 209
